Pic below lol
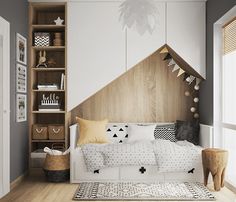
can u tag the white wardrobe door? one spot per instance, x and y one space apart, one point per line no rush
141 46
186 32
96 48
4 107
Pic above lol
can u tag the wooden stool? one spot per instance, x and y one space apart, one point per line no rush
215 161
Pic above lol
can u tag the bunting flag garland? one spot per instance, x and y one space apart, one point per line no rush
176 67
172 62
187 78
168 57
164 50
181 71
198 81
190 79
186 75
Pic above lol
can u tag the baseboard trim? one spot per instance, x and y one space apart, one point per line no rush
18 180
230 187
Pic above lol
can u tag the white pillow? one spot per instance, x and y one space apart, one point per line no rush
141 132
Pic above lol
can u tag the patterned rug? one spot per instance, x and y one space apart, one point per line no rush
143 191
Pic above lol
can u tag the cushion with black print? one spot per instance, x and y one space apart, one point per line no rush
166 132
117 133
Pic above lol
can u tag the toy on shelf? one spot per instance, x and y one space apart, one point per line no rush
42 59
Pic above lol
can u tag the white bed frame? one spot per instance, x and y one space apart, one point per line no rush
79 173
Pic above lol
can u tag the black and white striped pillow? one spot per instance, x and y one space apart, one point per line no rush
166 132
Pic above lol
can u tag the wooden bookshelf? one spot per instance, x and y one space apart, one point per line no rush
41 19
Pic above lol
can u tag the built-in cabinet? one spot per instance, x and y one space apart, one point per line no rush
47 80
139 46
186 32
96 48
99 50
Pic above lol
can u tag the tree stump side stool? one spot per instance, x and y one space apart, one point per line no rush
214 161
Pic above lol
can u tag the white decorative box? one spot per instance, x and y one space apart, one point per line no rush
41 39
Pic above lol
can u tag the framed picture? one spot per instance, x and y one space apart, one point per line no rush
21 49
21 78
21 108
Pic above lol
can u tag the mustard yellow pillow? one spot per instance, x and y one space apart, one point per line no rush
92 131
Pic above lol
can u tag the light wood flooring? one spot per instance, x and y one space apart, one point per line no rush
36 189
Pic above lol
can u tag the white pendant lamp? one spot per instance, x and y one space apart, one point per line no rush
139 14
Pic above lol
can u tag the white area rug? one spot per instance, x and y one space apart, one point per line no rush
143 191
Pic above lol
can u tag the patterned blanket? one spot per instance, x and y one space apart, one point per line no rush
167 156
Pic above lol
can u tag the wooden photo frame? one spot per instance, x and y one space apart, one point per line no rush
21 49
21 108
21 78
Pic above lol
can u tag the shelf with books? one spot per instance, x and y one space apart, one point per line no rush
47 90
47 59
37 27
48 69
48 141
48 112
38 48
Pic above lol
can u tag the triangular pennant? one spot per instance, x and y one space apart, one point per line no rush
198 81
181 71
190 79
176 67
167 57
172 62
186 75
164 50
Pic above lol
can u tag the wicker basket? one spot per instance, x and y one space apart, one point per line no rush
40 132
57 168
56 132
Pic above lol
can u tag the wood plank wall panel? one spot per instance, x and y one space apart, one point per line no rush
149 92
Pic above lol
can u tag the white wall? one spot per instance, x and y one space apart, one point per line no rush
100 51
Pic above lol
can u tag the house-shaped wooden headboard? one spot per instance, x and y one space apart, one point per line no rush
148 92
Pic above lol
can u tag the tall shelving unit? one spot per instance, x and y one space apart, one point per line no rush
41 19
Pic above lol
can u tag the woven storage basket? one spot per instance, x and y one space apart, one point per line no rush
57 168
56 132
40 132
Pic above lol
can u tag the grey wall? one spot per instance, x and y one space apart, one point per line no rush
215 9
16 12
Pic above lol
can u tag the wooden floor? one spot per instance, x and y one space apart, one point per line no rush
36 189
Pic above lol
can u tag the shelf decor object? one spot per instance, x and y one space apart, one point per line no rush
42 39
58 21
42 59
47 78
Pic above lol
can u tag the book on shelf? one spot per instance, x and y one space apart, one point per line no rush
47 87
62 81
49 110
50 107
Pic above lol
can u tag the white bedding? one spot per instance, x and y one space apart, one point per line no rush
167 156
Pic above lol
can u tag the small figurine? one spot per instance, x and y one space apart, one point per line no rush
42 59
58 21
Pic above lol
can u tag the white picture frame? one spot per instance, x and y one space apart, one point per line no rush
21 49
21 78
21 108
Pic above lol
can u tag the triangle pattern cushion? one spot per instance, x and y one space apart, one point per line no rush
92 131
116 132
